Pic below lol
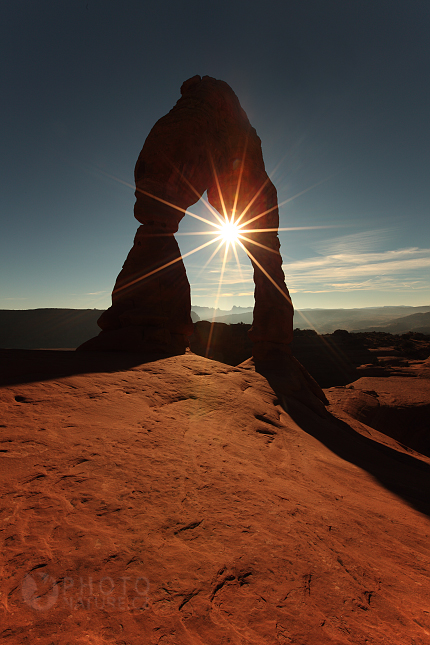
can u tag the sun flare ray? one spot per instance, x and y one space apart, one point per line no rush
224 261
168 264
286 201
287 228
262 246
265 272
259 191
221 198
239 180
226 231
211 257
163 201
246 209
196 192
197 233
239 266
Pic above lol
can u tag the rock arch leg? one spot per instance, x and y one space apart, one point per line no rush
272 328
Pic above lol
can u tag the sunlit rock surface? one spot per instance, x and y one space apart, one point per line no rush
182 501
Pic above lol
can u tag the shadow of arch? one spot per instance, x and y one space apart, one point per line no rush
405 475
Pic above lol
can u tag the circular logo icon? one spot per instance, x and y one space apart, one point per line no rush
39 590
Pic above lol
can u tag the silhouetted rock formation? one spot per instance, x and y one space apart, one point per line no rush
204 143
221 342
47 328
331 359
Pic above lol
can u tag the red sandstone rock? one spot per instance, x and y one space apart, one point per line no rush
204 143
178 502
396 406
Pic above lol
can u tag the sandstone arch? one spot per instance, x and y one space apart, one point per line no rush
204 143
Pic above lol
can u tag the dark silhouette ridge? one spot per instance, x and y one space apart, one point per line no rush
331 359
46 328
57 328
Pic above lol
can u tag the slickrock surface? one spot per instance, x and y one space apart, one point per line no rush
176 502
396 406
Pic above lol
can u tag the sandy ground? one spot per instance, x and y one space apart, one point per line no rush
176 502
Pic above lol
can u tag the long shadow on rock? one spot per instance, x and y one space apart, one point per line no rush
405 475
27 366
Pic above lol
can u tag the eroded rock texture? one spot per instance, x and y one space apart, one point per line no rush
204 143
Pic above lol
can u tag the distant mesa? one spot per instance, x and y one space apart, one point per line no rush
46 328
417 322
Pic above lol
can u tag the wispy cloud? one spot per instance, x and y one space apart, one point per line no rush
348 263
362 242
90 293
231 276
353 269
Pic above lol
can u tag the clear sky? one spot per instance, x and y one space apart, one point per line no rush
338 92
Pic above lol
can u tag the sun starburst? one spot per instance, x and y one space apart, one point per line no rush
229 230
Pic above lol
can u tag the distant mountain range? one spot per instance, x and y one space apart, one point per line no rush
69 328
419 322
326 321
208 313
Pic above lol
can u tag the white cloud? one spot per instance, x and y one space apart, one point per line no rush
349 263
388 270
364 241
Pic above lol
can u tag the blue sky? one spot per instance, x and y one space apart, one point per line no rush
337 91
